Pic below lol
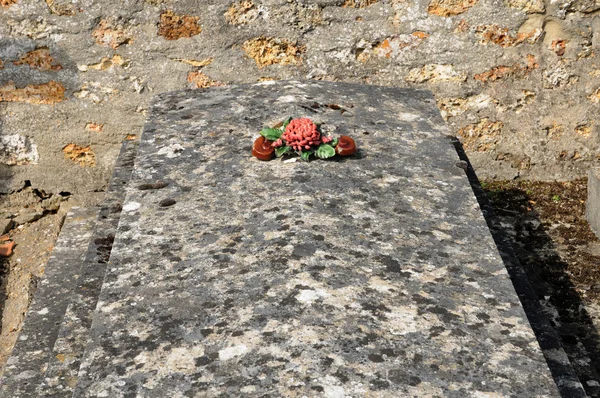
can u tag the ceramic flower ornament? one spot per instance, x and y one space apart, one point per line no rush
300 136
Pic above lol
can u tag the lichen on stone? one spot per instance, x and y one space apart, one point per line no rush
46 93
241 12
447 8
111 33
7 3
482 136
503 71
39 58
358 3
200 80
175 26
80 154
503 37
529 6
434 73
63 7
268 51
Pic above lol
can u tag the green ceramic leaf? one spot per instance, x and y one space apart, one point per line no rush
284 125
334 142
271 134
325 151
279 152
305 155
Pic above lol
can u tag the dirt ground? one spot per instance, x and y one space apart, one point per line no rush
34 243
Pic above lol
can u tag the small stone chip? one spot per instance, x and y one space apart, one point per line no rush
167 202
153 185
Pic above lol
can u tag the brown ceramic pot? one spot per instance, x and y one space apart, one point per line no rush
262 149
345 146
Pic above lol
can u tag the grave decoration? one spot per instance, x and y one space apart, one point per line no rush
302 137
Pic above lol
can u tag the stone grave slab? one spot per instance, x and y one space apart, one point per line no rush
373 275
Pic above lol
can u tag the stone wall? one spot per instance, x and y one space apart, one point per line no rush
517 80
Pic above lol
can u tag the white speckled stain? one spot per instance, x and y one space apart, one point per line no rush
171 151
286 98
486 394
310 296
131 206
409 117
266 83
331 389
232 352
43 311
441 235
163 362
404 320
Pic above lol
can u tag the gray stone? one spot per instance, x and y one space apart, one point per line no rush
5 225
592 206
27 217
370 275
52 203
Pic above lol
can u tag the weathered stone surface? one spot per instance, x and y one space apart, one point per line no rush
502 71
61 375
481 136
370 275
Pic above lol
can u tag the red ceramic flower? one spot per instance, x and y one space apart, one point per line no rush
301 134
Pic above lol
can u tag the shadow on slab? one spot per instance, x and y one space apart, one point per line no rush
555 310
